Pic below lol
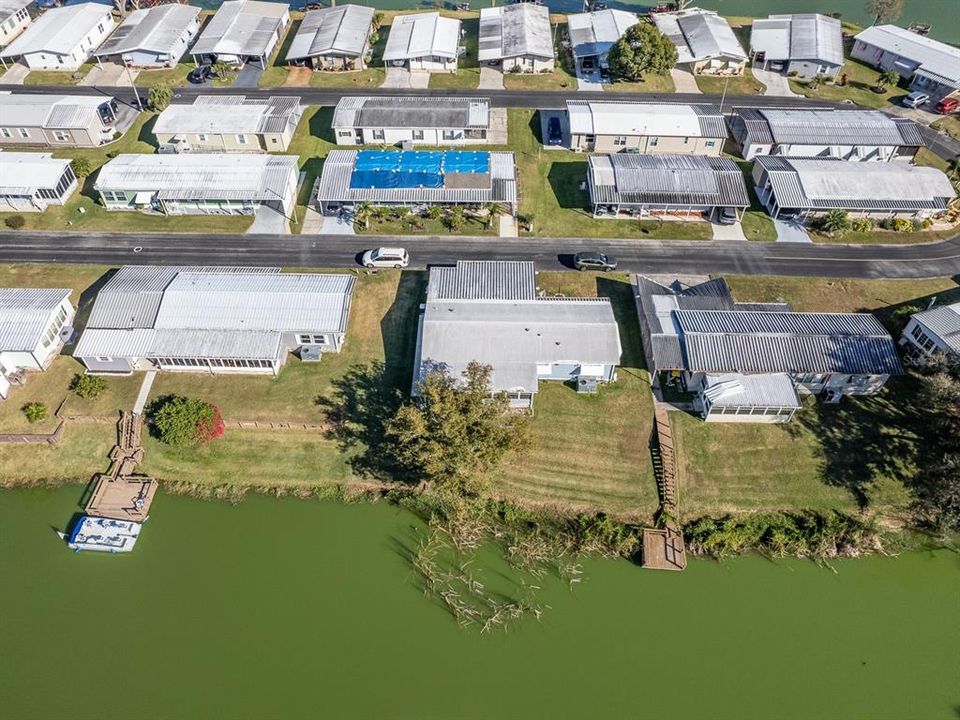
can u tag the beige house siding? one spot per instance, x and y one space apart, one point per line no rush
75 137
229 142
13 26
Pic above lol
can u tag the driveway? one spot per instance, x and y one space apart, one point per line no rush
249 76
589 80
401 77
110 74
728 232
338 224
15 75
777 83
491 78
790 231
269 221
545 116
684 81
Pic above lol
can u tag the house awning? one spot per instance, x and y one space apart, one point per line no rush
143 198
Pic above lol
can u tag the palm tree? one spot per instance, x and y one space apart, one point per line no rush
836 222
380 213
493 210
363 212
887 78
953 169
400 212
434 212
456 218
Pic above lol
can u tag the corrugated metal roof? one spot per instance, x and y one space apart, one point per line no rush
51 112
809 183
499 185
59 30
241 27
203 175
340 30
412 112
837 127
25 315
595 33
483 280
788 323
933 56
157 29
809 36
645 119
23 173
519 30
737 390
420 35
944 322
228 114
630 178
699 35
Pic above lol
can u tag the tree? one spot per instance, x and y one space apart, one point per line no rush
456 219
642 49
221 69
434 212
455 433
363 212
88 386
81 167
186 422
494 210
35 411
159 98
884 10
377 23
15 222
887 78
937 483
953 169
836 222
400 212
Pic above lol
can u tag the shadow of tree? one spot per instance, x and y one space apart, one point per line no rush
865 439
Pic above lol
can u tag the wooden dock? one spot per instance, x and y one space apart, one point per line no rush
663 549
124 498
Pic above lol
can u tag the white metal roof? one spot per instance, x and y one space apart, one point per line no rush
25 315
236 176
338 30
23 173
944 322
11 7
809 36
241 27
762 390
642 119
379 111
51 111
59 30
594 33
933 56
699 35
218 114
518 30
157 29
420 35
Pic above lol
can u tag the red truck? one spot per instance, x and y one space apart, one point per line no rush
948 105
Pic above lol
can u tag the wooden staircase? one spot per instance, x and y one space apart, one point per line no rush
664 461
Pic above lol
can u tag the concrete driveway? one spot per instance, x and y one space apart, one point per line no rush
728 232
269 221
684 81
249 76
589 80
777 83
15 75
545 116
491 78
401 77
341 224
110 74
791 231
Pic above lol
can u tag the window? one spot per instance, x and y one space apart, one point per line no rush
99 27
308 339
104 359
710 143
378 135
201 137
654 142
60 136
241 139
24 133
620 140
345 133
449 134
922 339
417 135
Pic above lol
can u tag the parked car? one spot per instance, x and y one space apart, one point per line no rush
915 99
554 133
948 105
200 74
385 257
727 216
594 261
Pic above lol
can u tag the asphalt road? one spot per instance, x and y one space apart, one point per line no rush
648 256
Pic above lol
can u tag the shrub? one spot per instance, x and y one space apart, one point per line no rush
35 411
835 222
15 222
793 73
862 225
902 225
516 70
159 98
88 386
81 167
186 422
925 224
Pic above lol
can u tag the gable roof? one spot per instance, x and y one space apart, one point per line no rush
59 30
699 35
25 315
521 29
489 312
666 180
588 117
156 29
936 59
51 111
809 36
12 7
241 27
422 34
411 112
594 33
827 127
944 322
338 30
231 114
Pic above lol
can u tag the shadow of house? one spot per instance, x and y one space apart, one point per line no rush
620 293
146 134
85 304
565 178
535 126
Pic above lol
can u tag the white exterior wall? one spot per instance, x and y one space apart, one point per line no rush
860 153
392 136
914 348
527 63
432 64
79 54
13 26
41 354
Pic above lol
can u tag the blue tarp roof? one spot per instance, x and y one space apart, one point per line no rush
413 168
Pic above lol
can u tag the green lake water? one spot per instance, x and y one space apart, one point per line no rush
272 609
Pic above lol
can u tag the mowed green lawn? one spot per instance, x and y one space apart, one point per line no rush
81 453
